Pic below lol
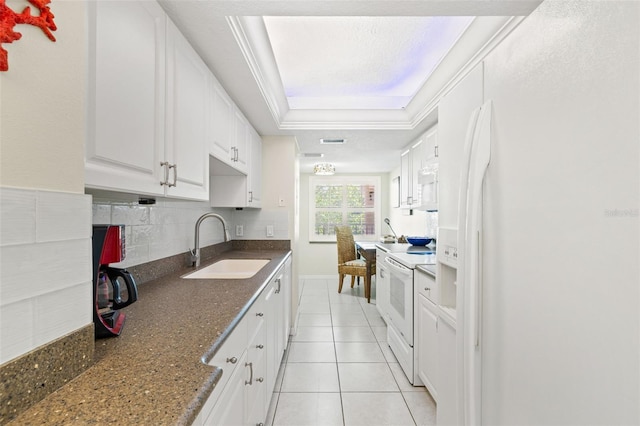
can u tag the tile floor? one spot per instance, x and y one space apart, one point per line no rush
338 369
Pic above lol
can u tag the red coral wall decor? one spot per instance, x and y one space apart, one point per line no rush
9 19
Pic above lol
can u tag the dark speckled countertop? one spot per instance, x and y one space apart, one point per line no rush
153 373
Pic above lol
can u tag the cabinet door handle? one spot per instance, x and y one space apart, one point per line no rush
250 365
260 346
260 314
260 379
165 165
250 196
279 285
175 174
232 360
236 158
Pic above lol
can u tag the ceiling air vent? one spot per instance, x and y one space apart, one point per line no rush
313 155
332 141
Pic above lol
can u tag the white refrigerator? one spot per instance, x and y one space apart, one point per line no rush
548 278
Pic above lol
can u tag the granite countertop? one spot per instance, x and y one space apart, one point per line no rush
153 373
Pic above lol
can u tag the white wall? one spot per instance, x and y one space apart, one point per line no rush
42 103
45 245
280 192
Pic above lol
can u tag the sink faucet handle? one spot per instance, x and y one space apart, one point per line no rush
195 257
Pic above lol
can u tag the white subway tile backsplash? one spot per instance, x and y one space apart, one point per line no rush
58 313
62 216
45 252
17 216
35 269
101 213
16 329
129 214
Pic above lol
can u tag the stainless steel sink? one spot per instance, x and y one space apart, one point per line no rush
229 269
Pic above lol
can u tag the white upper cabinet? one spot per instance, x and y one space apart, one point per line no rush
410 163
419 172
125 144
148 104
254 177
222 131
188 80
241 142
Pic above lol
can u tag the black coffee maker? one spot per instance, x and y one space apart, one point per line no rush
113 288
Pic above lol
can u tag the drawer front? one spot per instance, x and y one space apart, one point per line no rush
426 286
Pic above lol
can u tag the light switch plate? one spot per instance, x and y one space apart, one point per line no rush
239 230
269 230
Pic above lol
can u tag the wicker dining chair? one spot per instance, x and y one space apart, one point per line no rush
349 264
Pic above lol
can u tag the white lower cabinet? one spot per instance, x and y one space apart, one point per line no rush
426 325
428 344
447 409
250 359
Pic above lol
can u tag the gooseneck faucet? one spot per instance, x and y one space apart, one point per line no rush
195 253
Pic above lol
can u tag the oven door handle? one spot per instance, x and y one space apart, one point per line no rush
397 266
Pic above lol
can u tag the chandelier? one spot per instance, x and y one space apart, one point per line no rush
324 169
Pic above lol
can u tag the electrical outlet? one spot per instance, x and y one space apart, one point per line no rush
281 201
239 230
269 230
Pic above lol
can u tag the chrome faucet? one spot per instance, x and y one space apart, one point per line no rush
195 253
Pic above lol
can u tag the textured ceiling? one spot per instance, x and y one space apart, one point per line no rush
358 62
227 34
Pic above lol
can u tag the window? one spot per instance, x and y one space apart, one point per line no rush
344 200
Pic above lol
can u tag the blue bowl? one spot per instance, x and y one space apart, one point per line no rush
419 241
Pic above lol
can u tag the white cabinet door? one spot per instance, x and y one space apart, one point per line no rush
405 179
412 160
222 131
254 177
417 163
431 145
126 96
187 150
382 285
427 347
230 409
241 142
446 375
287 284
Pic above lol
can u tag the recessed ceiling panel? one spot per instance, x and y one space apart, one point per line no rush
357 62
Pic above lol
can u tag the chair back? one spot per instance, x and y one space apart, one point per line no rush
346 244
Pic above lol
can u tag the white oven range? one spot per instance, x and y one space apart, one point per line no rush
400 327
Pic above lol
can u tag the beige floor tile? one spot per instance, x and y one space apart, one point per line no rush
422 407
314 307
314 320
356 319
377 409
311 352
353 334
380 332
311 377
313 334
302 409
401 379
366 377
358 352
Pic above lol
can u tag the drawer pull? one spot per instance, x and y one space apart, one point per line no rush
260 346
250 365
260 379
260 314
232 360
